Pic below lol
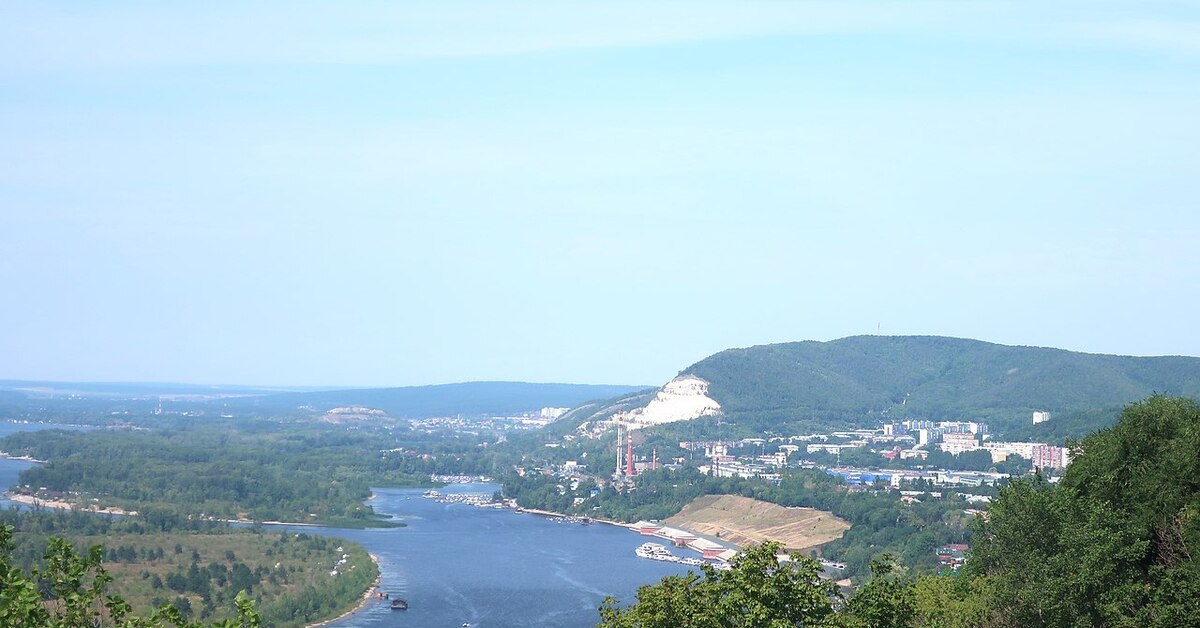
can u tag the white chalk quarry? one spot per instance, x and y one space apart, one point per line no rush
681 399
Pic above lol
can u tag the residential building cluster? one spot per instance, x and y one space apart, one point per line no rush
476 424
959 437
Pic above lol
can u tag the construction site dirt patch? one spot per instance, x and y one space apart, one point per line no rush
744 521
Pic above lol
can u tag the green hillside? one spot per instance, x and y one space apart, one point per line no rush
861 378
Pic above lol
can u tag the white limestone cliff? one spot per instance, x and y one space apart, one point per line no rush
681 399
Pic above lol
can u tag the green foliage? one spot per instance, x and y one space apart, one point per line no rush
951 601
286 574
758 592
1055 557
1065 426
263 471
762 591
884 602
69 593
1116 543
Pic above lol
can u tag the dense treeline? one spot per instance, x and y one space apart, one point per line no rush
1117 542
761 591
260 471
880 521
1067 426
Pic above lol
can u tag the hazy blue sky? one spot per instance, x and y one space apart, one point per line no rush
396 193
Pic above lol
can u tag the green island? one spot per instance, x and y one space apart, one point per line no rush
247 471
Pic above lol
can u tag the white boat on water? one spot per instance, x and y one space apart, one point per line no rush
654 551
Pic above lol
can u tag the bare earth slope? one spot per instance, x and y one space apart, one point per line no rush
743 521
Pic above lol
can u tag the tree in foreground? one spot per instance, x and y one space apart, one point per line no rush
69 593
758 591
762 591
1117 543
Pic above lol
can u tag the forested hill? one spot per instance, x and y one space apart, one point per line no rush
470 398
930 377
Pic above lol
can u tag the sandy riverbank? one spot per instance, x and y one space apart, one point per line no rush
8 456
61 505
368 596
56 504
550 513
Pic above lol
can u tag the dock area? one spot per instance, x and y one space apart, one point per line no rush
709 550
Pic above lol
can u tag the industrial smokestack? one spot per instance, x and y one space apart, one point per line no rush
617 473
628 454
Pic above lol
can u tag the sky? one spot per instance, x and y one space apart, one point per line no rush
404 193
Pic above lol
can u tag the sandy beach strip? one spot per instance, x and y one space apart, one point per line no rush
550 513
32 500
368 596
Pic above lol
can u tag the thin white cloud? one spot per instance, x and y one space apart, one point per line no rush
1174 37
97 36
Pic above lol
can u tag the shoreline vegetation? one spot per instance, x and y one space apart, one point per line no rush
303 474
7 456
363 601
58 504
197 572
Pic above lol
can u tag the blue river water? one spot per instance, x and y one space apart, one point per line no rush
459 564
11 469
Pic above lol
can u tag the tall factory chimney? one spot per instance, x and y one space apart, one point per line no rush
617 473
628 454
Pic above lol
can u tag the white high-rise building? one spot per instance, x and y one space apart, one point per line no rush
1040 416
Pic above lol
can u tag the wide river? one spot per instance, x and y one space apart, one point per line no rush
459 564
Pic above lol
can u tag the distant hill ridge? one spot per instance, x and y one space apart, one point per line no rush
930 376
467 398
